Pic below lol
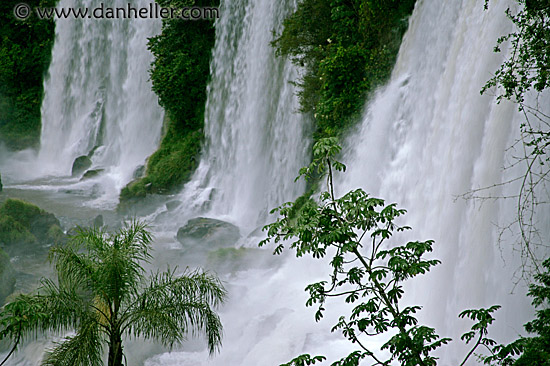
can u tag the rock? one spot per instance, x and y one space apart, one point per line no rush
80 165
56 235
72 231
226 260
41 224
7 277
91 174
98 221
172 205
257 233
139 172
209 233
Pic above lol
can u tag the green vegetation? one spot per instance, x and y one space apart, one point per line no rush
22 223
530 351
367 273
348 48
25 52
179 73
101 292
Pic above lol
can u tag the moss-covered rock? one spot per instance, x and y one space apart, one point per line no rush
14 233
80 165
22 223
92 173
209 232
56 235
168 168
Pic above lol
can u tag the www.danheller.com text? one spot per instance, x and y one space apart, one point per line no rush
129 11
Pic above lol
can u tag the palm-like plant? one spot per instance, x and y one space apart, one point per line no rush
102 294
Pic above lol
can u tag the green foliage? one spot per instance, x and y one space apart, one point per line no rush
527 67
25 52
348 48
181 66
101 292
530 351
17 317
366 270
304 360
180 73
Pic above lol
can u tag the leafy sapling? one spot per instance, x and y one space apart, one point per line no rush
366 271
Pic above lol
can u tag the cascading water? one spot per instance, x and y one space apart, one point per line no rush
98 99
429 137
255 140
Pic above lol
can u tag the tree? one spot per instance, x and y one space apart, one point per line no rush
366 270
102 294
522 78
530 351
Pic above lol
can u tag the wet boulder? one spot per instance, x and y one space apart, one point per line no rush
80 165
208 233
172 205
91 174
41 224
139 172
98 221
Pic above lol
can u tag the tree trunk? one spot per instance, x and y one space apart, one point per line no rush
115 349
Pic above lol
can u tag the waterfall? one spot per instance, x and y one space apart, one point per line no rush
98 99
429 137
255 140
426 138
